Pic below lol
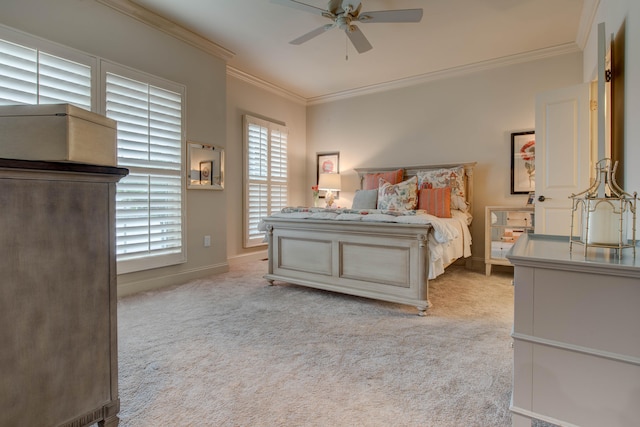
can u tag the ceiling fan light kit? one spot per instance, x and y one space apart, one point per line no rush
344 12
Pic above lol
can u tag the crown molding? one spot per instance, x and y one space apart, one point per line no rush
449 73
563 49
588 15
263 84
169 27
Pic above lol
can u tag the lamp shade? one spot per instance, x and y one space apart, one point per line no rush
329 181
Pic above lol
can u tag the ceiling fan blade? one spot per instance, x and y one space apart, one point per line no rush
335 7
358 39
302 6
311 34
400 15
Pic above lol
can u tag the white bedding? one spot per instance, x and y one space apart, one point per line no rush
444 254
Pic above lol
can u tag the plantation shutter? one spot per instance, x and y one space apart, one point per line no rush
278 169
149 111
149 201
30 76
266 175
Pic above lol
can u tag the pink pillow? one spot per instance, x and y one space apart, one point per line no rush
371 180
436 201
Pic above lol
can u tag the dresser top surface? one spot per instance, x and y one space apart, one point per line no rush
48 166
554 252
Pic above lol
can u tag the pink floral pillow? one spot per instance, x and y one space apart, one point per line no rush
398 197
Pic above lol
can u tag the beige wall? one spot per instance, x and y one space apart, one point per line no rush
246 98
101 31
463 118
467 118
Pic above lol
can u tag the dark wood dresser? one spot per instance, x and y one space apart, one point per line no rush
58 334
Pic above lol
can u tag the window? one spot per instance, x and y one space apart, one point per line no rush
30 76
149 201
266 176
150 114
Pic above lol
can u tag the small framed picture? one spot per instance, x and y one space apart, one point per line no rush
206 168
327 163
523 162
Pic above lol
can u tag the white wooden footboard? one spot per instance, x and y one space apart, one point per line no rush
383 261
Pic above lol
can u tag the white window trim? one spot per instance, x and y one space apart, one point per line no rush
150 262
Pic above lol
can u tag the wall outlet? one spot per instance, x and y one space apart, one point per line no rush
207 241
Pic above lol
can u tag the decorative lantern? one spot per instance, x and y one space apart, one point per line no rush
604 210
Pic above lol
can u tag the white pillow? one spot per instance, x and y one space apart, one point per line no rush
365 199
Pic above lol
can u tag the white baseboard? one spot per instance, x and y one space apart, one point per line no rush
254 256
170 280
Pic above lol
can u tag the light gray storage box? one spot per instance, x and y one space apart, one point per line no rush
57 132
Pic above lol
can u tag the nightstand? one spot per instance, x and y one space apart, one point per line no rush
503 226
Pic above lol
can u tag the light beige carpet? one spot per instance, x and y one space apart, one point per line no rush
232 351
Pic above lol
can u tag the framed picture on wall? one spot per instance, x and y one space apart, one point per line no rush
327 163
523 162
206 169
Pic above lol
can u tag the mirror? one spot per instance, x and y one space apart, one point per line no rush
205 169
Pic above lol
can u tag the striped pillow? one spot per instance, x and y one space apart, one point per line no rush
436 201
371 180
446 177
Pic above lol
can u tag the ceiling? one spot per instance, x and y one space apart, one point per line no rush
453 34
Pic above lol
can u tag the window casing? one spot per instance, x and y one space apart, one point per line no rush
29 75
266 175
150 201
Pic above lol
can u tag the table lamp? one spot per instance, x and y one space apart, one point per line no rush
329 182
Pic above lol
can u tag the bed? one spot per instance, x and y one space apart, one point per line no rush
383 254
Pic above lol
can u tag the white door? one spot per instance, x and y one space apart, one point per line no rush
562 156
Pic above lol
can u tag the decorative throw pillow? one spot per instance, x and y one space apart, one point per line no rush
371 180
365 199
436 201
446 177
398 197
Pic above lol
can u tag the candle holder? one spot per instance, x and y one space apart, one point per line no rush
604 210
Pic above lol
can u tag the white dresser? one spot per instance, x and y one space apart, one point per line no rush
576 334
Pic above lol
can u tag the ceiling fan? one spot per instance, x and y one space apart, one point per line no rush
344 12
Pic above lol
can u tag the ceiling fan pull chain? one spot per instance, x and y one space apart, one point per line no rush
346 47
